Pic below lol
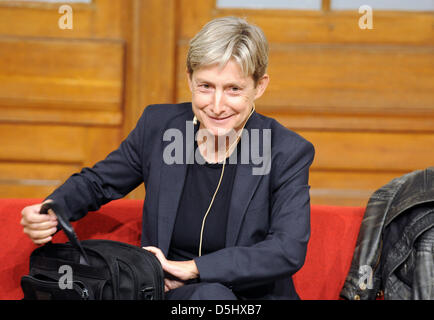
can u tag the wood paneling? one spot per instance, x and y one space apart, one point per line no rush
99 19
60 74
41 143
326 27
68 97
28 179
35 159
150 67
344 79
371 150
358 122
363 181
56 143
350 166
193 15
352 188
17 113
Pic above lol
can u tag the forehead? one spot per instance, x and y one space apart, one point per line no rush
229 73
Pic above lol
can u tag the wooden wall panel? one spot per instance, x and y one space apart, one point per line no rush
19 114
371 151
68 97
337 27
29 179
344 79
56 143
150 63
347 187
351 79
98 19
34 159
60 74
46 143
349 166
357 122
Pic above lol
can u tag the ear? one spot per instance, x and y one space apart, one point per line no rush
189 77
261 86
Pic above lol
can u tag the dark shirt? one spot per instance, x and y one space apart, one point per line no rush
199 187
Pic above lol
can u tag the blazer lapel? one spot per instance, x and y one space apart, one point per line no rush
172 178
245 185
172 183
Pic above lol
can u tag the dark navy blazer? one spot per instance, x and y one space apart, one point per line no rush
269 216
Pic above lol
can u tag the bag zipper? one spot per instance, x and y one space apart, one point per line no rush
85 294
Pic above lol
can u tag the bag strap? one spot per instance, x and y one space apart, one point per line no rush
67 228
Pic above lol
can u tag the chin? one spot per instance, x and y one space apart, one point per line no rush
219 131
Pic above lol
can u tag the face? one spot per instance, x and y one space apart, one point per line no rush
223 98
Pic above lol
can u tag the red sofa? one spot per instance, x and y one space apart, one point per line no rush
334 233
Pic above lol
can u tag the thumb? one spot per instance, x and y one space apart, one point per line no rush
157 252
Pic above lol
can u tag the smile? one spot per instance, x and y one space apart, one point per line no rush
219 120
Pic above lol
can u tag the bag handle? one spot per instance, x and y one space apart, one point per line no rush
67 228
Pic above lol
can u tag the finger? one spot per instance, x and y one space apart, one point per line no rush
52 215
152 249
50 211
157 252
38 225
42 241
166 285
173 284
169 284
39 234
41 226
32 215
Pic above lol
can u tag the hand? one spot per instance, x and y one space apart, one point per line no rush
170 284
178 271
39 227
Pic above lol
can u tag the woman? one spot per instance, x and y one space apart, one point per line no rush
220 229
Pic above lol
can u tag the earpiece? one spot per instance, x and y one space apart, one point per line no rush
195 120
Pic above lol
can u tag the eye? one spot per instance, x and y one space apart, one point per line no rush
204 86
234 90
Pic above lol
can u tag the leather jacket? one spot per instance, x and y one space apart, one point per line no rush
394 251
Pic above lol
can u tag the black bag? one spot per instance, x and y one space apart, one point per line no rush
91 269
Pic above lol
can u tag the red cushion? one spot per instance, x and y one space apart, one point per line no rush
334 232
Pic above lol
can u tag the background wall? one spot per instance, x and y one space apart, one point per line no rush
364 97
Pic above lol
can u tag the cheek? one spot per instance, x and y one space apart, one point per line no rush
241 104
241 99
200 100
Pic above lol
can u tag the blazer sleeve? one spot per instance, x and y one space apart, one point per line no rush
112 178
283 251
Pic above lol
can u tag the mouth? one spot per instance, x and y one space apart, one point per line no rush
219 119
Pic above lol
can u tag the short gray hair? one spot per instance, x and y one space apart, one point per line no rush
230 37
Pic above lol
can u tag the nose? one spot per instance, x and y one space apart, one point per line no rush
218 106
